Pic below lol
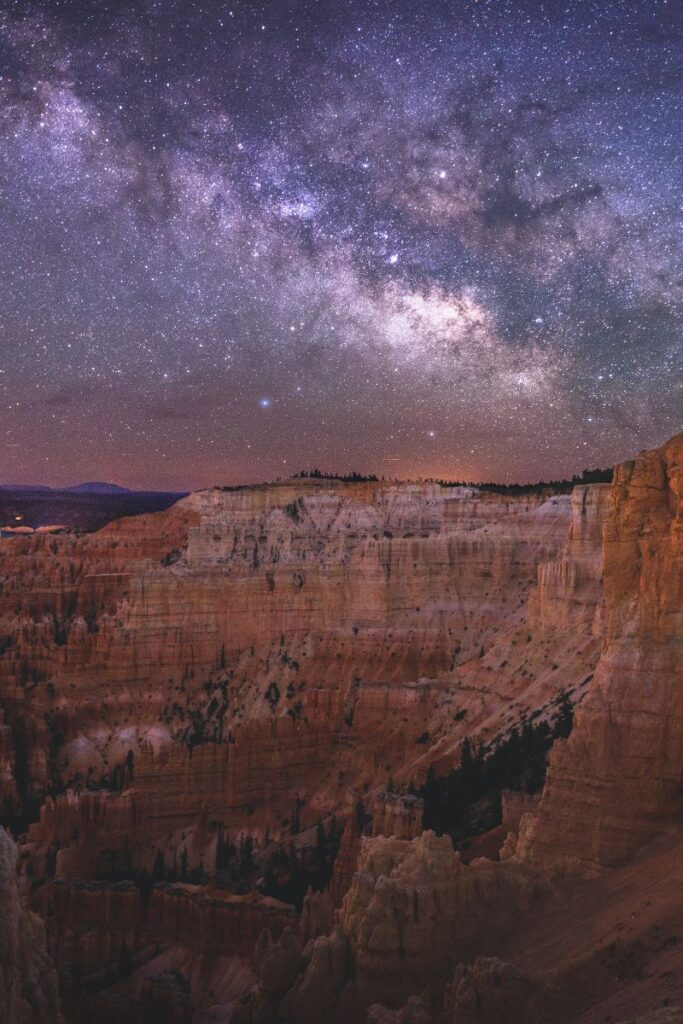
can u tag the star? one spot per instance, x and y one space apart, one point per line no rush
460 215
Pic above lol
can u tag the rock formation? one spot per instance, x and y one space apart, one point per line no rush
491 990
397 814
261 677
617 781
247 650
28 982
414 911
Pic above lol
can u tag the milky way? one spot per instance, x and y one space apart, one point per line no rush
413 239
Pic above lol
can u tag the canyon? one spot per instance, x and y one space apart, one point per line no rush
221 726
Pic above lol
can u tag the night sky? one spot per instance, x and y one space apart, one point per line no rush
411 238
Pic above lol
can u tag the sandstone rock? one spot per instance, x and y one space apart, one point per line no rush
570 586
414 1012
491 991
616 782
28 983
264 652
89 922
346 860
378 589
317 913
315 995
397 814
166 997
278 964
414 910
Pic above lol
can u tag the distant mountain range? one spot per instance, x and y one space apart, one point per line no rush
90 487
25 487
81 507
98 487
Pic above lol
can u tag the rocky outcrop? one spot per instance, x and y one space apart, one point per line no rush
617 781
320 991
278 964
397 814
416 1011
414 910
412 913
252 650
356 601
491 990
28 982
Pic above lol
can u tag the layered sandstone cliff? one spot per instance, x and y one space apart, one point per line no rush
617 781
248 649
257 663
414 909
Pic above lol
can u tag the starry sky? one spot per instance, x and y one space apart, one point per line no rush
418 238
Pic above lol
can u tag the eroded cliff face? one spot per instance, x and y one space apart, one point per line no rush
548 932
248 646
28 982
570 586
618 780
249 664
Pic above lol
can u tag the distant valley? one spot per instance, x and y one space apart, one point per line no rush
83 507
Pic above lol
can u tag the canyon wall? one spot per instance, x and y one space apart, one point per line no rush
415 917
250 647
618 780
253 664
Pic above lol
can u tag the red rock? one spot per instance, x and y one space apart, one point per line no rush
616 782
28 982
262 653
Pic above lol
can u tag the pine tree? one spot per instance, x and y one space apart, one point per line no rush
320 844
159 869
246 862
294 826
222 850
565 714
